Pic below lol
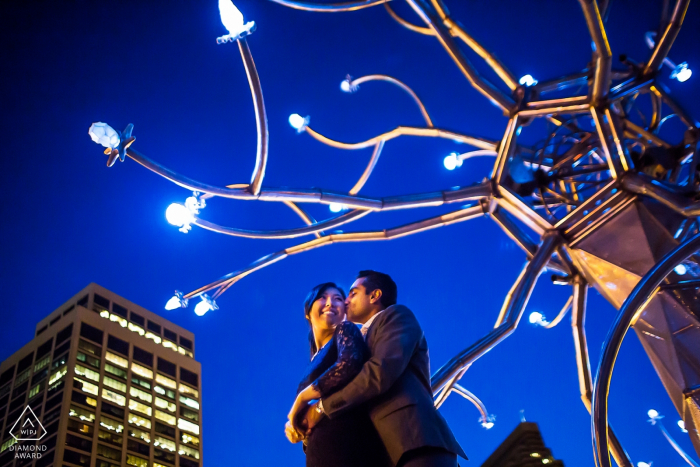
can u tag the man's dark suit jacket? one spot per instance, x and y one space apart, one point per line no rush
395 384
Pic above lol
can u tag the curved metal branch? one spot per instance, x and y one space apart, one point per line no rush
287 233
308 220
663 46
400 84
677 447
368 170
510 315
565 309
318 196
477 142
473 399
443 35
601 77
636 183
643 292
333 8
406 24
260 117
447 219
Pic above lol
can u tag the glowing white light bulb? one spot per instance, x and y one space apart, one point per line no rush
179 216
177 301
452 161
535 317
487 425
681 269
103 134
205 305
682 73
681 425
336 207
653 413
298 122
345 86
232 19
528 80
644 464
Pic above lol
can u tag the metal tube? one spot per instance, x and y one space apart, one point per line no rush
512 311
675 107
520 237
642 185
287 233
558 103
676 446
442 33
583 362
400 84
333 8
473 399
477 142
644 290
406 24
308 220
601 76
663 45
565 309
260 117
499 68
639 131
563 109
438 221
368 170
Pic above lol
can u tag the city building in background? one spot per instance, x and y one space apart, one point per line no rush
524 447
112 385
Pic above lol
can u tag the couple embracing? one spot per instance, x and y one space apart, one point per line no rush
365 399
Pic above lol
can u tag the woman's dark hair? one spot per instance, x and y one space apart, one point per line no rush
312 296
378 280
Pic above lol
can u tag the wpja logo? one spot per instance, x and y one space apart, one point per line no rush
30 429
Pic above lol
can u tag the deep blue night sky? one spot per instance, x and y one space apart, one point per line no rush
68 220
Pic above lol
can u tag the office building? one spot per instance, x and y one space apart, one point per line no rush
524 447
111 384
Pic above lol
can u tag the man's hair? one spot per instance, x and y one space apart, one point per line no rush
374 280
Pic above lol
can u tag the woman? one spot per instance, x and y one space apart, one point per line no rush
338 352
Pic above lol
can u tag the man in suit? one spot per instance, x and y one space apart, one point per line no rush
395 381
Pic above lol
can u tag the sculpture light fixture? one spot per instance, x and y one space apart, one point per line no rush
603 200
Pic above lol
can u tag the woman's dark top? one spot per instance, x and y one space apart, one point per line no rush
350 439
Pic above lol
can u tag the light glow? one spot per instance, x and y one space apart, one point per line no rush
452 161
681 269
528 80
179 216
336 207
205 305
538 318
644 464
298 122
653 414
681 425
232 19
104 135
177 301
682 73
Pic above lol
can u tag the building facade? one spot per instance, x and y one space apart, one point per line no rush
524 447
111 384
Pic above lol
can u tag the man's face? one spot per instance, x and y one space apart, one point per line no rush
359 305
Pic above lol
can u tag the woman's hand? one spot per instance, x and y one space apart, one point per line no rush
301 404
292 434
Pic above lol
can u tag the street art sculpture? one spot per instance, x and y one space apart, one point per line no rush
607 199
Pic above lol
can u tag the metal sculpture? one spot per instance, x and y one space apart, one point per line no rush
606 194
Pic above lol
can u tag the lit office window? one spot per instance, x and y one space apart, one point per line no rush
140 382
142 371
42 363
164 443
186 451
165 392
167 418
58 375
86 386
189 391
111 425
139 407
87 373
109 453
187 426
81 414
114 384
189 439
136 461
189 402
36 389
143 395
117 360
140 434
113 370
110 437
88 359
163 404
113 397
139 421
167 382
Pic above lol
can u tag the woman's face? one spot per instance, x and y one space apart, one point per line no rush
328 310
